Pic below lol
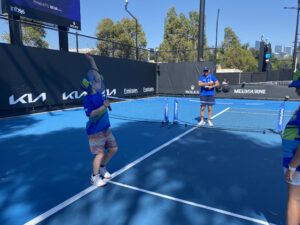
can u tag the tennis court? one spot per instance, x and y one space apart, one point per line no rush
164 173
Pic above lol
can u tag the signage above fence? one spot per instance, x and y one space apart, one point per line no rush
63 13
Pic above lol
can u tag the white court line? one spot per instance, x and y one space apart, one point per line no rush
253 113
217 103
43 216
254 103
69 201
192 203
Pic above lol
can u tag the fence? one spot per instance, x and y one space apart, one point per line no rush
97 46
238 78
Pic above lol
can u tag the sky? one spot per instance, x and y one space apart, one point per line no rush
249 19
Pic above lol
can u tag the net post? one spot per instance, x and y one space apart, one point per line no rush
175 114
166 112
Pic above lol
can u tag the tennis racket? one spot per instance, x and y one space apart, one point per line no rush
102 89
98 83
98 79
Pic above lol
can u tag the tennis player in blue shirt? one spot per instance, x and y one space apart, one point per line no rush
98 126
291 159
208 82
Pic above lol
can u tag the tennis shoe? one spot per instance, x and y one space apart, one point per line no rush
104 173
210 123
97 181
201 123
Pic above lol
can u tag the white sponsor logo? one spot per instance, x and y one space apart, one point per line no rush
148 89
27 98
74 26
17 10
192 92
250 91
111 92
77 95
131 91
73 95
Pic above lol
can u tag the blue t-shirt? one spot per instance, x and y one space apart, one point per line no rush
101 121
291 139
205 79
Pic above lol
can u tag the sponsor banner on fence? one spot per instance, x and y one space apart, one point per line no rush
46 77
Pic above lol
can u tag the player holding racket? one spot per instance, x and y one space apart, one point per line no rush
101 140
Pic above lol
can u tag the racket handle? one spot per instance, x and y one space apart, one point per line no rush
109 108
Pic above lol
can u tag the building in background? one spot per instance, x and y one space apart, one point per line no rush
287 50
257 45
278 48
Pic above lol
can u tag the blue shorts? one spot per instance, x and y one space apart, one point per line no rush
207 100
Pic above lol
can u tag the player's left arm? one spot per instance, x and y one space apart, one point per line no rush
296 159
293 165
216 82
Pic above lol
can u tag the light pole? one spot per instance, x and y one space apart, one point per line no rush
296 34
136 31
201 31
216 43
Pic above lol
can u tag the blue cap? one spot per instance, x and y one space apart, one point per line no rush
296 79
205 68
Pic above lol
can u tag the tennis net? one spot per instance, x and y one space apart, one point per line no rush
252 116
153 109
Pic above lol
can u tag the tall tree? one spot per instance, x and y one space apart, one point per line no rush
235 56
278 64
180 37
119 39
231 40
105 31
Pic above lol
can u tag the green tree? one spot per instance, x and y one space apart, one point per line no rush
33 36
118 39
180 37
231 40
234 55
105 31
278 64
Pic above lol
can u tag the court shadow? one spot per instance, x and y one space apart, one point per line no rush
227 175
11 125
38 172
237 172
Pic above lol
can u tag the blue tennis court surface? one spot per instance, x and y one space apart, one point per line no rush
163 173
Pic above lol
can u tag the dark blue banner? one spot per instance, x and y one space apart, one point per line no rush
60 12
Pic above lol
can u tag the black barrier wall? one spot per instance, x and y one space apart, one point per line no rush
238 78
34 78
258 92
182 79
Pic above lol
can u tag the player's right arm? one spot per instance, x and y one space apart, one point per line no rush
100 110
201 84
92 62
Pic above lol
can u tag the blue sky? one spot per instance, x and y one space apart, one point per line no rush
249 19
